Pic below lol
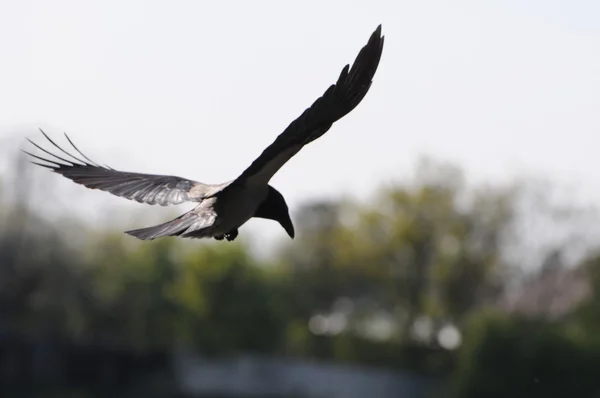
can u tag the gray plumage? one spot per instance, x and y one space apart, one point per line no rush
222 208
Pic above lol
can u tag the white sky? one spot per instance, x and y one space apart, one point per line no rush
199 88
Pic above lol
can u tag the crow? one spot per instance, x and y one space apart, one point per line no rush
222 208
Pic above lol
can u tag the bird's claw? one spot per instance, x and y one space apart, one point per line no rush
231 235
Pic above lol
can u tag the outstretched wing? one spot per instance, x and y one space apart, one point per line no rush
339 99
144 188
196 223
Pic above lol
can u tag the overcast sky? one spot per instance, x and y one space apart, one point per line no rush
199 88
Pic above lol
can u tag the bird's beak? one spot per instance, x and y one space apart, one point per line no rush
288 226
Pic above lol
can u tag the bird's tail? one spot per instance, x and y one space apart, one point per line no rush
189 224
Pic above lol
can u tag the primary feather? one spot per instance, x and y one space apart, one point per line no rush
143 188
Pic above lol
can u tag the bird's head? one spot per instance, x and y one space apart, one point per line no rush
275 208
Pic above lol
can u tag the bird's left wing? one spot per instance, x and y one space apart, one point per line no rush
339 99
144 188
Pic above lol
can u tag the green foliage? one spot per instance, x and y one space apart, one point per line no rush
227 303
511 357
143 296
585 322
211 297
413 250
429 249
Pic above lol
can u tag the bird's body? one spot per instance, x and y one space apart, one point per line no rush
217 216
237 212
222 208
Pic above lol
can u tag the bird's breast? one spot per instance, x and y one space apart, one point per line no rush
236 206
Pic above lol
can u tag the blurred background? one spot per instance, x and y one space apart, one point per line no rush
447 229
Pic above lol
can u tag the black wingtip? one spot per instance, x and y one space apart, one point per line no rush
37 157
43 165
343 75
53 164
81 153
377 36
376 33
69 163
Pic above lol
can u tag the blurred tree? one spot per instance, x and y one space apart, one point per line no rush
227 302
39 283
128 297
513 357
431 248
373 282
585 321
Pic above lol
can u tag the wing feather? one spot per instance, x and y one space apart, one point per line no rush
338 100
144 188
195 223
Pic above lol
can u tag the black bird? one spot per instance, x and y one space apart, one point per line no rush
222 208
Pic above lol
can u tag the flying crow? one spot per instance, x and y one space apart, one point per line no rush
222 208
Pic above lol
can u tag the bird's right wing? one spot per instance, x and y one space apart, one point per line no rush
144 188
338 100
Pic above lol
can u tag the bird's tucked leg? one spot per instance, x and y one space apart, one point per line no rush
220 237
231 235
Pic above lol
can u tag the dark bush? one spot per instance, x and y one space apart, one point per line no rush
515 357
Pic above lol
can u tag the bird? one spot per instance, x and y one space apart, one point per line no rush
221 209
